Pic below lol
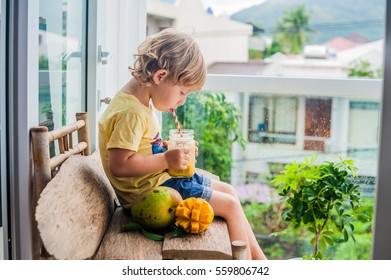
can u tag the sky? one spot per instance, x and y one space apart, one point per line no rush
230 6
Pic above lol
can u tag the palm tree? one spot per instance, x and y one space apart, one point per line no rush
293 28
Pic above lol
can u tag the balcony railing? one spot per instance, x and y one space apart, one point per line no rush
331 87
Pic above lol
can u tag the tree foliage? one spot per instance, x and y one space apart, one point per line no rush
274 48
293 28
364 68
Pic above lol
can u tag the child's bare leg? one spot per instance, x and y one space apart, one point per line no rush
256 251
227 207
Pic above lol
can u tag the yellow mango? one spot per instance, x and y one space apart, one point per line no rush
194 215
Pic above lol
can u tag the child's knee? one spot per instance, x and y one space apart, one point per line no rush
234 205
226 206
230 190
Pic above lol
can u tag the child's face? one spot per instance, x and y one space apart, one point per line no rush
166 95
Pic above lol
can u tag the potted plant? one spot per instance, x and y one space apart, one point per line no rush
317 198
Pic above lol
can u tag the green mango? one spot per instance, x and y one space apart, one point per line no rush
155 209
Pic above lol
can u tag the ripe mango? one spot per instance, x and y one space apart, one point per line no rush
155 209
194 215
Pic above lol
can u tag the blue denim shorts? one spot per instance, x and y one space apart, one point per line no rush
196 186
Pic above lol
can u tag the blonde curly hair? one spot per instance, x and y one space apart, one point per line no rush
173 51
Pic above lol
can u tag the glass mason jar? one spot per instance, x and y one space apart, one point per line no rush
186 140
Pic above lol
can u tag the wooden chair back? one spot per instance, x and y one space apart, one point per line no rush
45 166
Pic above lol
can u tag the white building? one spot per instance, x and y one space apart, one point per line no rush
219 38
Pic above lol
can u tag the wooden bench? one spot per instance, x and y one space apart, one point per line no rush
77 215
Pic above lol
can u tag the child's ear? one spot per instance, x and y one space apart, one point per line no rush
160 75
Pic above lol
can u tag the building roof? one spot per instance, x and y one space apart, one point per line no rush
371 52
297 65
340 43
238 68
283 65
357 38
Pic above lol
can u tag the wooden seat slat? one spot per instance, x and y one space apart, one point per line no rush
117 245
212 244
64 131
61 158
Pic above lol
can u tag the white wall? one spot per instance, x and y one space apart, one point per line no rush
364 128
121 28
219 38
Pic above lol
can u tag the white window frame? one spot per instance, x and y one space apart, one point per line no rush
22 114
381 245
3 165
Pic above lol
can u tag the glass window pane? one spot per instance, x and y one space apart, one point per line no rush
61 45
279 127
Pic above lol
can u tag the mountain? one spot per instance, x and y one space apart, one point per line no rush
331 18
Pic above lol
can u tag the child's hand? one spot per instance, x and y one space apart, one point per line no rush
177 158
165 144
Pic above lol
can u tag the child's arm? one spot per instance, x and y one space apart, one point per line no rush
127 163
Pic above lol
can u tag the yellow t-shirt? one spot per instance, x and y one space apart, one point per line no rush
128 124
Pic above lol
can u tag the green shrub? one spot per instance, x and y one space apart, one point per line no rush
321 198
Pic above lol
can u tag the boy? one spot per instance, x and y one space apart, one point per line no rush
168 67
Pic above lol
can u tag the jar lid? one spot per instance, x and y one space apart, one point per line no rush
185 133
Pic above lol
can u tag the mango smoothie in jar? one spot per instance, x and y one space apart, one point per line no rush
183 139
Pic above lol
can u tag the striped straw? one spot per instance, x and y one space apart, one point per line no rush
176 122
